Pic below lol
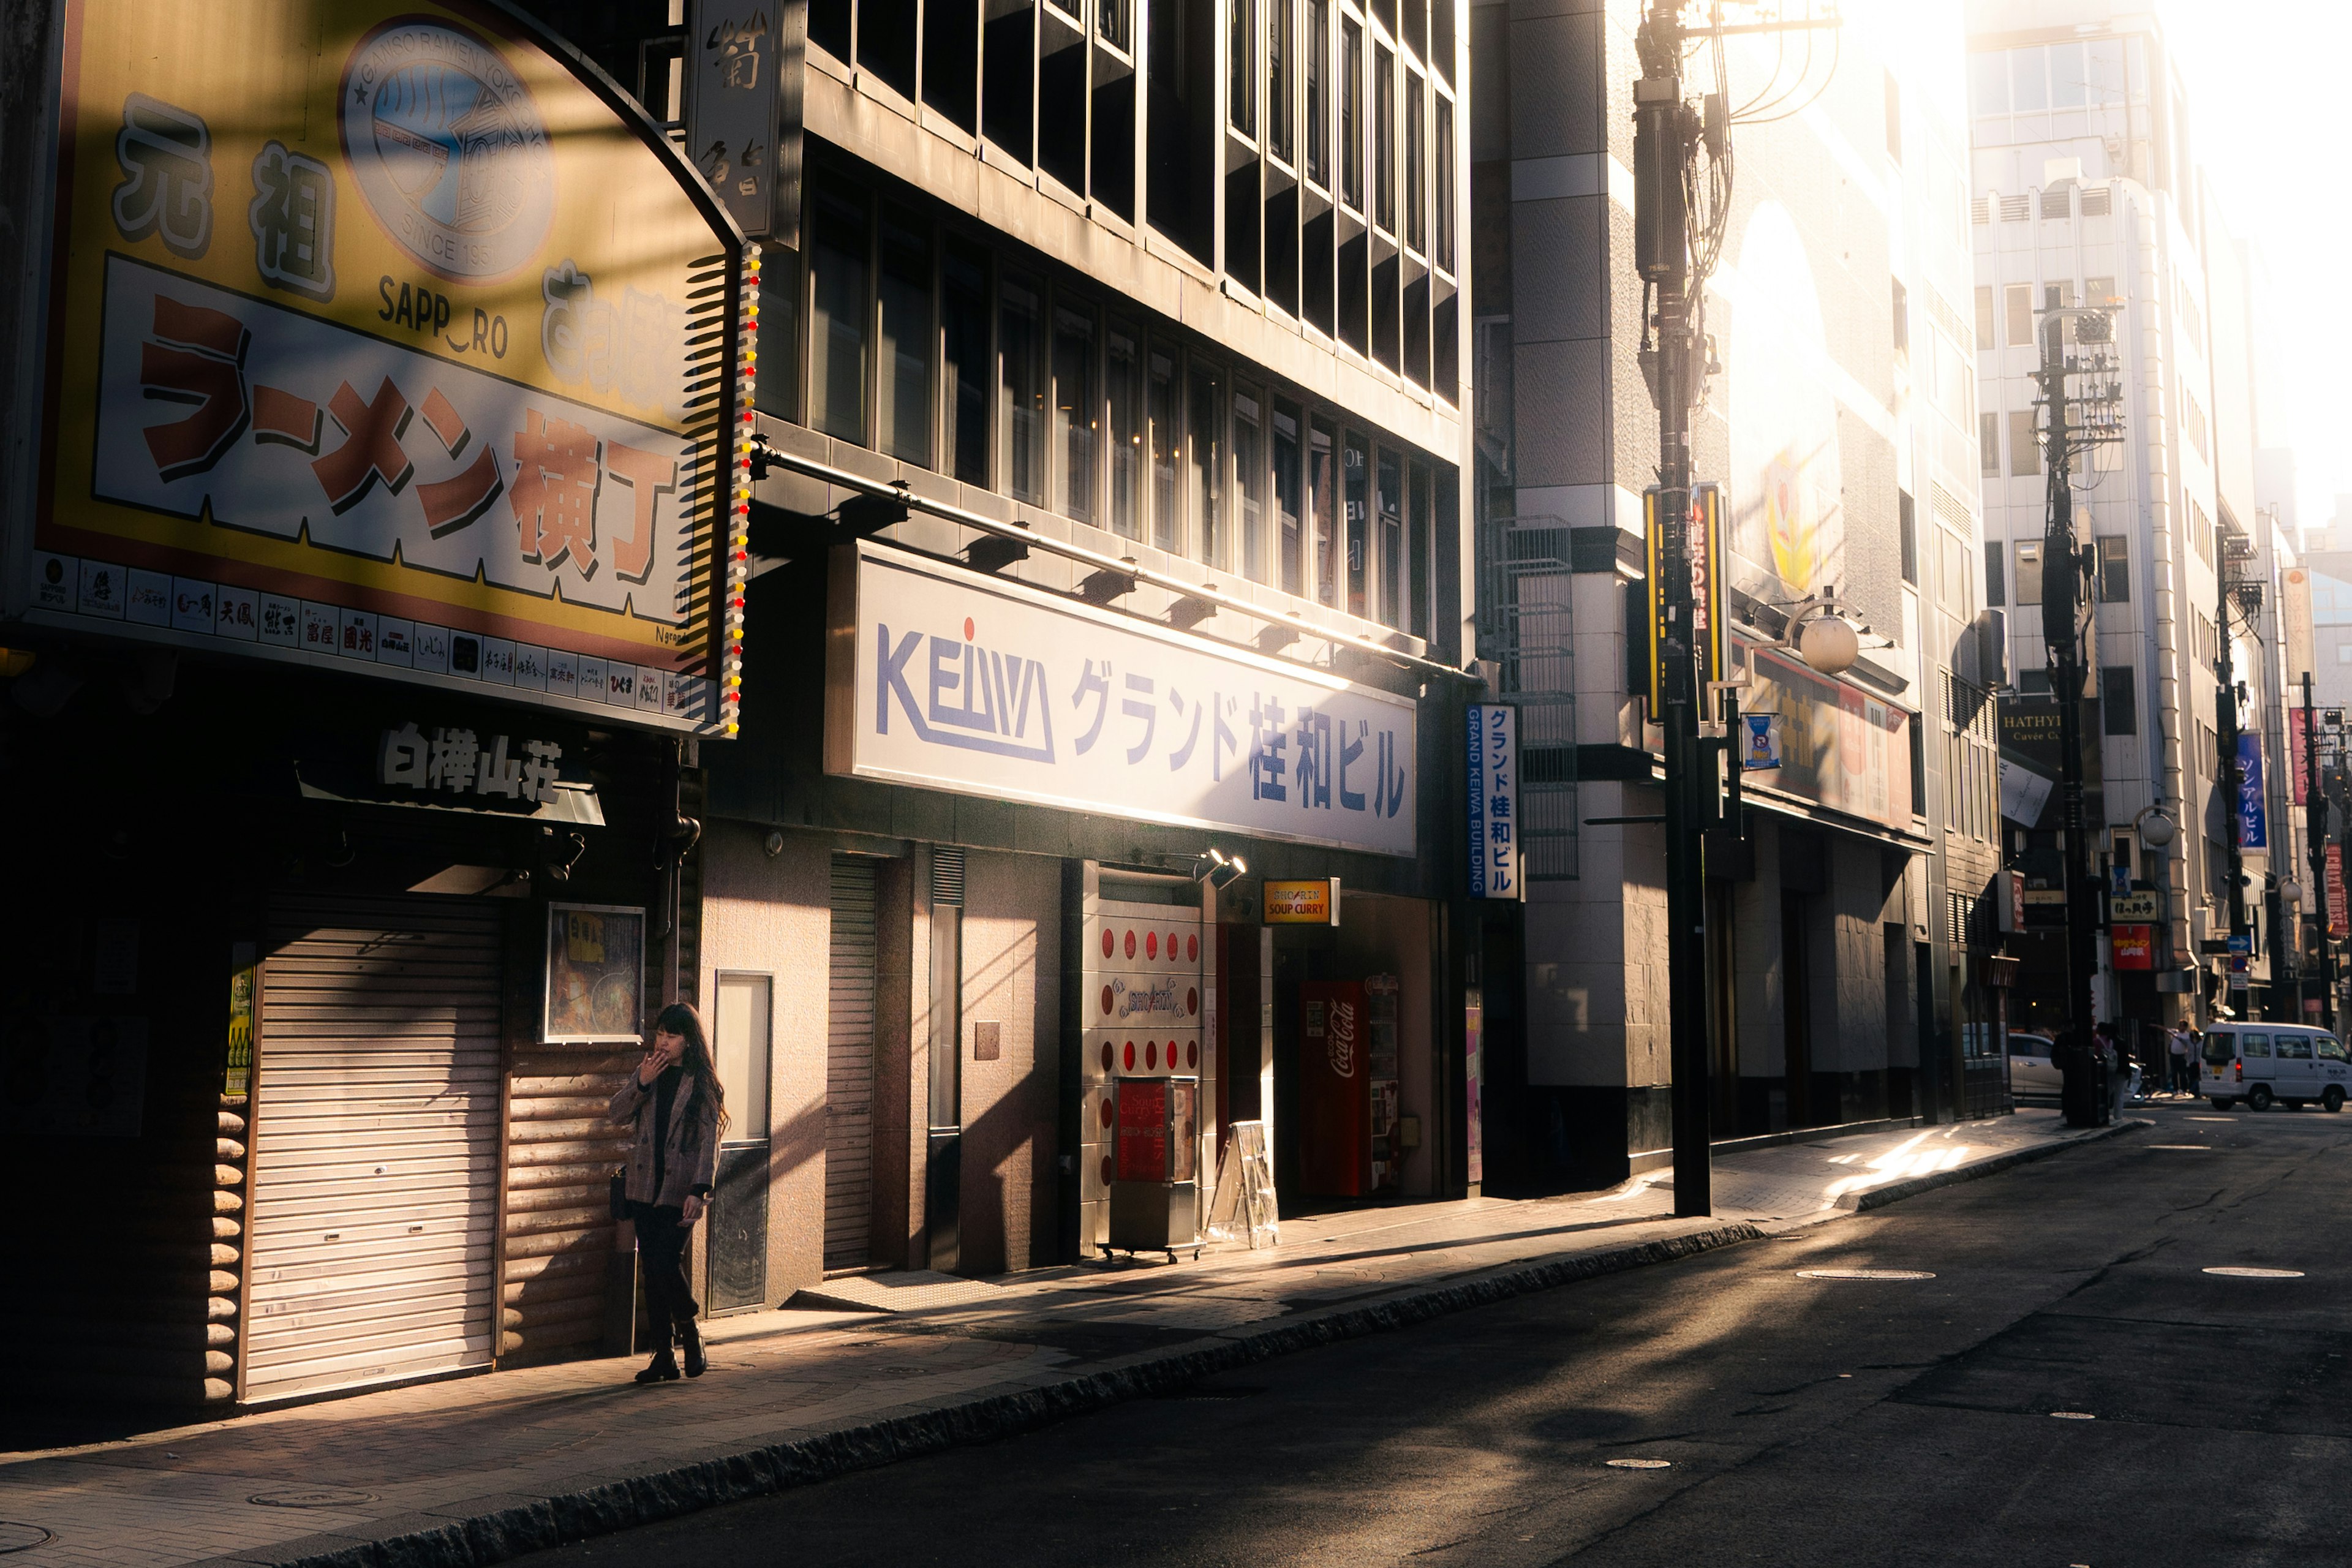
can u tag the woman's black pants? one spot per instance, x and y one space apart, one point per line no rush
661 1257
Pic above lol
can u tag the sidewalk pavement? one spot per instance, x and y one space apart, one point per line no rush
478 1469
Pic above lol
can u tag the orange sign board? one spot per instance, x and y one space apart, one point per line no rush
2135 947
1309 902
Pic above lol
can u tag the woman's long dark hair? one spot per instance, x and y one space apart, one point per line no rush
680 1019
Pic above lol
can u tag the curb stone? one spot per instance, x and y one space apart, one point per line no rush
1896 1192
505 1533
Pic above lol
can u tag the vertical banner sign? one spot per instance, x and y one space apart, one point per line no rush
2253 823
743 112
2298 746
2338 924
387 334
1492 755
1705 543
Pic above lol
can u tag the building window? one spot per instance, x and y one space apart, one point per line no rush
1996 585
1289 569
2119 705
1907 519
1443 255
840 257
1902 318
1390 496
1416 164
2029 571
1893 118
1356 476
1318 93
2018 301
1241 64
1419 530
1324 532
1988 445
1385 137
1206 425
1249 478
779 393
963 338
904 404
1125 436
1167 517
1984 316
2024 444
1352 112
2034 683
2344 653
1279 88
2114 569
1078 408
1020 348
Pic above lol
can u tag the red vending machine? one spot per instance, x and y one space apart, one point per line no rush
1334 1090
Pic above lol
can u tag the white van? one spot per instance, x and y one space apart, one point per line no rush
2259 1063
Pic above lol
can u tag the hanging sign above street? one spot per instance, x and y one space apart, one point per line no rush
1493 793
387 337
1704 542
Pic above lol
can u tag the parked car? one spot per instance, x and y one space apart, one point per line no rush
2030 1070
2259 1064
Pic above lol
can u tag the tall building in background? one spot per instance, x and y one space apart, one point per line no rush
2087 191
1109 514
1847 941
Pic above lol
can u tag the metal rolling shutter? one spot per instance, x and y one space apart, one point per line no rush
375 1187
850 1068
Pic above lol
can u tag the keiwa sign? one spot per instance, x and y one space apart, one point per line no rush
992 689
372 344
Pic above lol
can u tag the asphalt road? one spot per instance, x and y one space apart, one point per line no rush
2206 1419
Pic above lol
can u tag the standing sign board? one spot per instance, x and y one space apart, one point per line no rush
1703 540
388 336
1492 754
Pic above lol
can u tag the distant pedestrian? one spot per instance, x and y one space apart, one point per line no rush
679 1108
2183 1079
2118 1060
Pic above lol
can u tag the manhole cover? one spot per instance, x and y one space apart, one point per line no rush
15 1537
1864 1274
2236 1273
1640 1464
2072 1416
312 1497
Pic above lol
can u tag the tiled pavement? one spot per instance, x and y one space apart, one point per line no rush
321 1482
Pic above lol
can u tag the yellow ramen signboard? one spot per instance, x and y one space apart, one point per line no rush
374 342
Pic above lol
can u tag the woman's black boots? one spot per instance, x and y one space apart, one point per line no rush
663 1368
691 1339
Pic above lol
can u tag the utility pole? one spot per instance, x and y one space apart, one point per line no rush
2314 822
1664 143
1675 249
2073 425
2231 772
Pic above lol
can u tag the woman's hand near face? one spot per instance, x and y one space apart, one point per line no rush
666 1050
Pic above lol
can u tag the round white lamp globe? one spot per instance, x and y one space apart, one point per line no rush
1829 645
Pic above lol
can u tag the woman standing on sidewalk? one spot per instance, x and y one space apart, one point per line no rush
678 1106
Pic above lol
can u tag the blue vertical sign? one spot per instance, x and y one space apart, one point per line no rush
2253 825
1492 755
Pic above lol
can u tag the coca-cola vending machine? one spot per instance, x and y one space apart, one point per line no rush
1348 1083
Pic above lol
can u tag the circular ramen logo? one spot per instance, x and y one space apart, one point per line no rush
448 149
